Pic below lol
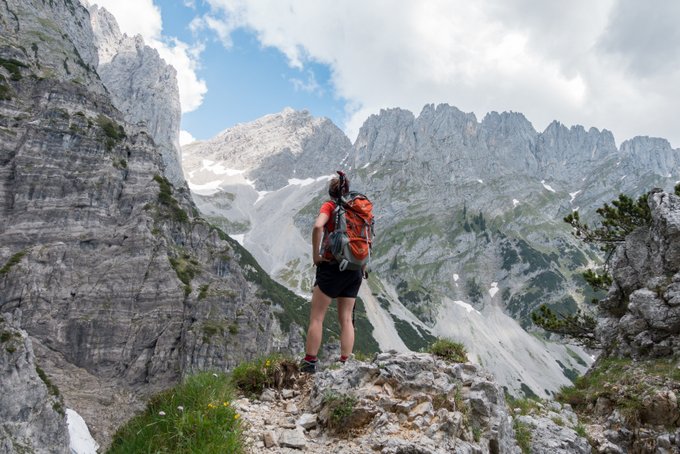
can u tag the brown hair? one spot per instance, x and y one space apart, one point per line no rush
337 189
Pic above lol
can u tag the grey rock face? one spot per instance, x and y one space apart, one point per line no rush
111 268
640 317
31 414
274 149
56 36
142 86
553 430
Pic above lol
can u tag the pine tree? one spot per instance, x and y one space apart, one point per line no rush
618 220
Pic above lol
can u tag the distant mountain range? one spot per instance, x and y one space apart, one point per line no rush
470 238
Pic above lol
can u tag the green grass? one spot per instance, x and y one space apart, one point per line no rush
272 371
14 260
522 435
58 404
194 417
623 382
449 350
522 406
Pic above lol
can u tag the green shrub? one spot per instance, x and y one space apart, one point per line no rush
272 371
168 201
15 259
194 417
203 291
13 67
185 267
5 91
113 131
449 350
340 410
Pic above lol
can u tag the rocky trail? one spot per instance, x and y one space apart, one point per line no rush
398 403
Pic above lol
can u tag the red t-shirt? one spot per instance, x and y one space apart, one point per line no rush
327 208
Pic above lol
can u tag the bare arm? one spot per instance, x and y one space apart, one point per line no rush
317 233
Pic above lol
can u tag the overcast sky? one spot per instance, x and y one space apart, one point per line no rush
607 64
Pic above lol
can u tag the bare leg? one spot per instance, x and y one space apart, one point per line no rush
345 306
320 303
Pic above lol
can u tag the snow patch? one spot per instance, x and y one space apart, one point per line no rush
494 289
219 169
261 195
515 202
298 182
455 277
468 307
573 195
205 189
481 181
81 440
366 165
623 177
239 238
547 186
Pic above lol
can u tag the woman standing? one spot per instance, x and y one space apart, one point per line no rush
330 283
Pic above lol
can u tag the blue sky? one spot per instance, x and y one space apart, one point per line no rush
248 80
610 64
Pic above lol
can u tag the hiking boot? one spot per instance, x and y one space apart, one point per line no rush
308 367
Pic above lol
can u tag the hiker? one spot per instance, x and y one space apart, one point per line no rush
334 279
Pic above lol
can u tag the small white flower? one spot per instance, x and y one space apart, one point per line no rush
215 375
162 413
180 408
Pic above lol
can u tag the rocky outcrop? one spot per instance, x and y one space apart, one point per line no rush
396 403
640 317
629 398
32 417
142 86
550 427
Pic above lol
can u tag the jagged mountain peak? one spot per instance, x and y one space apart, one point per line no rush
286 143
507 119
142 86
638 143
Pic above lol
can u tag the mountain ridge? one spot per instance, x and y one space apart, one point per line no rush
489 242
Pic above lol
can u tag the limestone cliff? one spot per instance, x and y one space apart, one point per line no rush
116 277
142 86
32 417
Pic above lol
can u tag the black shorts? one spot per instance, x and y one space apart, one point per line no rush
336 283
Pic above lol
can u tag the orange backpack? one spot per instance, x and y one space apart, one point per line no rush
351 241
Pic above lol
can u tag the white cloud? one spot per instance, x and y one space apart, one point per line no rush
143 17
309 85
576 64
185 138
